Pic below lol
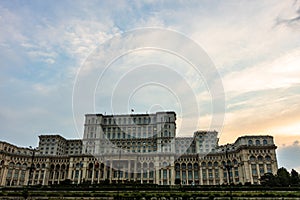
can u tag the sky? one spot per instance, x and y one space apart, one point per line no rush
235 62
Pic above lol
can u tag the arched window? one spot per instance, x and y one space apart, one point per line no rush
203 164
190 166
252 158
90 165
257 142
268 158
145 165
183 166
250 142
209 164
229 163
24 166
224 163
260 158
165 133
196 166
165 164
216 164
265 142
235 162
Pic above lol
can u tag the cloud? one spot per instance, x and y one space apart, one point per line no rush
290 18
41 50
282 72
288 156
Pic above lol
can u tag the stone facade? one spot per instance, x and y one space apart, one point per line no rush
138 148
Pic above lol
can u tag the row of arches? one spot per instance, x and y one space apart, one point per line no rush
258 142
254 158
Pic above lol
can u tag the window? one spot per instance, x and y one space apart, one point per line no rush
269 168
216 173
254 170
209 164
177 174
190 176
257 142
250 142
196 175
265 142
261 169
76 173
183 166
204 174
215 164
210 174
183 175
236 172
165 174
151 174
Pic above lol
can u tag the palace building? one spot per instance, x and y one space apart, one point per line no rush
141 148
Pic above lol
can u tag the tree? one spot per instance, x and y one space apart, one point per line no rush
295 179
283 176
177 181
269 179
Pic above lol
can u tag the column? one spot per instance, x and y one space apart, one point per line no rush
241 174
104 170
110 172
201 177
46 174
59 174
93 173
265 168
157 175
4 173
84 169
221 175
70 172
129 171
135 170
180 174
54 173
168 178
214 175
79 176
172 174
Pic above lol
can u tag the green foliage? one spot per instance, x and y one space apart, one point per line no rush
177 181
295 178
282 179
269 179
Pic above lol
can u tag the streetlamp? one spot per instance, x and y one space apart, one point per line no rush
142 167
119 167
32 165
119 172
228 167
